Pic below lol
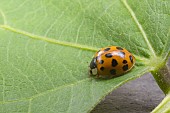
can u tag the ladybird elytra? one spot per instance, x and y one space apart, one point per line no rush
111 62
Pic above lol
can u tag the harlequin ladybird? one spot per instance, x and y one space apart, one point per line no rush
111 62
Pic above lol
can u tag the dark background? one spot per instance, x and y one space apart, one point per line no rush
137 96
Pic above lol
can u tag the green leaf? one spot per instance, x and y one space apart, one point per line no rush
46 47
163 106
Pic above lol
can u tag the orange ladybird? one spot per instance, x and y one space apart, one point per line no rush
111 62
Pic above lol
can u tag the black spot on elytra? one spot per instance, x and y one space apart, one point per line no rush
102 68
124 61
121 54
125 67
108 55
107 49
119 48
101 61
113 72
114 62
131 59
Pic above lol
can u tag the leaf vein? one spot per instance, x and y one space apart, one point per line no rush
146 69
24 75
71 99
78 30
3 16
63 43
39 64
139 26
46 92
29 106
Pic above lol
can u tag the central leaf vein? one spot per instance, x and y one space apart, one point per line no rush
84 47
54 41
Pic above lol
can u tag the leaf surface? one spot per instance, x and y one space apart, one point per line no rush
46 47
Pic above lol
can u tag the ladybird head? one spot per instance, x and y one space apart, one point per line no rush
93 67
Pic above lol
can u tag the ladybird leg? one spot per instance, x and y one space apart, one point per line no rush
89 71
111 77
89 75
97 76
